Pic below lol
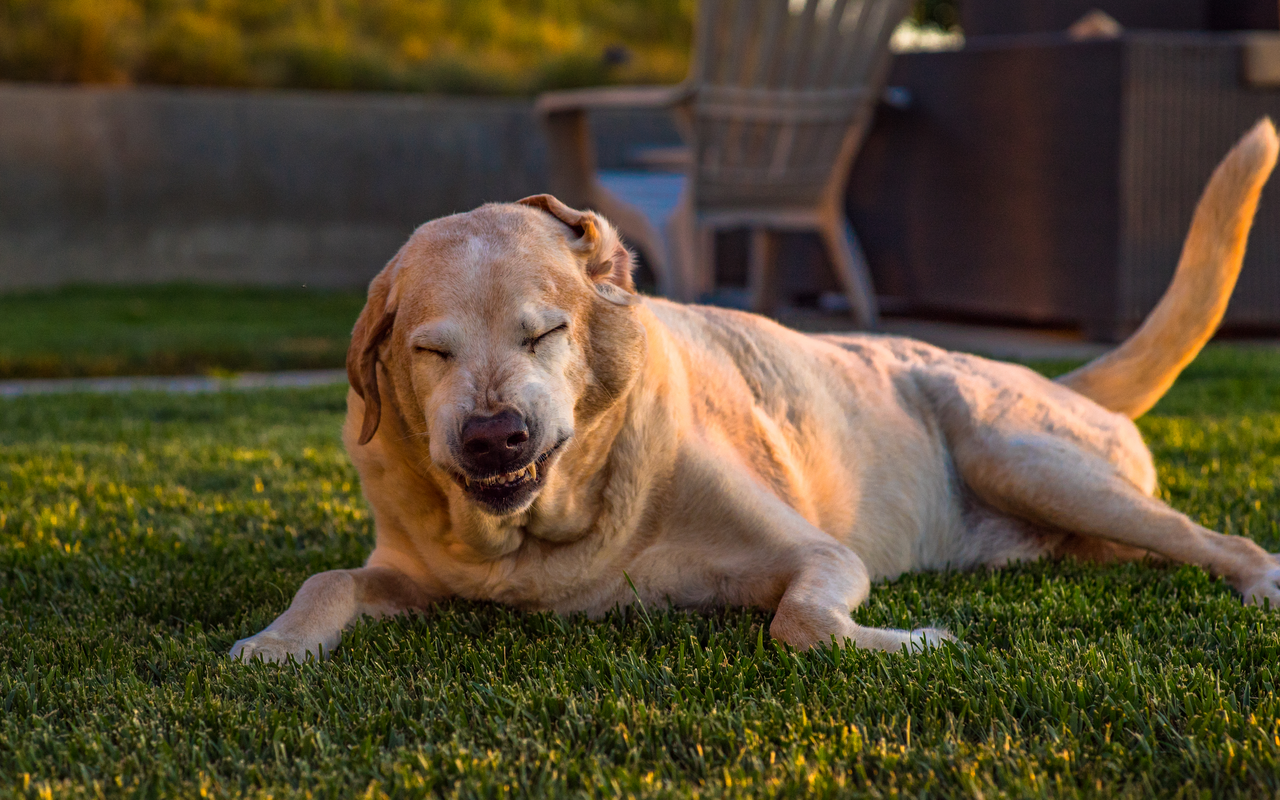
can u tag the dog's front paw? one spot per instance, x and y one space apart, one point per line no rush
275 648
926 638
1265 588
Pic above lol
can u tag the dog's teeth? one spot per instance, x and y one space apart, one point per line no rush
529 472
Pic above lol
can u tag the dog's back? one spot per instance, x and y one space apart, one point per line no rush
844 428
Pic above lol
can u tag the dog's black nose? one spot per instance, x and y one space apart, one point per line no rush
495 443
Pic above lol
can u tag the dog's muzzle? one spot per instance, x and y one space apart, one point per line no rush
501 470
495 444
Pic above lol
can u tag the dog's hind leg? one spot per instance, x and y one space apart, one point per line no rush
1054 482
996 539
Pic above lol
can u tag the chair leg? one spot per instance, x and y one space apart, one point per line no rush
572 157
761 271
706 274
683 251
852 271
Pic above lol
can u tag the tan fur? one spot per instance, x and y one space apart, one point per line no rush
712 457
1131 378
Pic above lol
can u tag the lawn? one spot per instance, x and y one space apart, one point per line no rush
140 535
168 330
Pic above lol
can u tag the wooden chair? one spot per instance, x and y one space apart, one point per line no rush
779 97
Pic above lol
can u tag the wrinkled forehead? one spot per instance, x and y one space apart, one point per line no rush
491 262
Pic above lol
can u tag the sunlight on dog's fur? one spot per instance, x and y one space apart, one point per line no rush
528 430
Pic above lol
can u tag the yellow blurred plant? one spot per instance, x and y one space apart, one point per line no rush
486 46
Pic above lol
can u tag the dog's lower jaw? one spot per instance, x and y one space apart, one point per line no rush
511 493
503 498
504 507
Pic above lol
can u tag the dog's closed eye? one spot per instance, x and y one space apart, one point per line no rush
533 341
443 355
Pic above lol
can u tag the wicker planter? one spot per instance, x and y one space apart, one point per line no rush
1044 180
985 17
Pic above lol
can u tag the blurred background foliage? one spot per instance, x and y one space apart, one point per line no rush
481 46
452 46
944 14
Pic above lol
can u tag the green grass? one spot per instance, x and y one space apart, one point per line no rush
172 330
141 535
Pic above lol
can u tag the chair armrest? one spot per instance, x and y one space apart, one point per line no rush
571 154
612 97
1261 60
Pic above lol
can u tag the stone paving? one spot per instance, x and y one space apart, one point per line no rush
1018 344
190 384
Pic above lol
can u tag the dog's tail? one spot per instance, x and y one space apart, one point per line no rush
1130 379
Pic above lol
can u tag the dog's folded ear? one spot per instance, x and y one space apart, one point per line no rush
372 327
608 261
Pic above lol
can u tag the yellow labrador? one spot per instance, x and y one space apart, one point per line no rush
528 430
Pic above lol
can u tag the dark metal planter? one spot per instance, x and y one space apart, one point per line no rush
1045 180
986 17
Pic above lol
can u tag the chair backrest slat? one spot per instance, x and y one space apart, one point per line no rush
706 53
867 43
738 51
781 88
828 46
772 16
799 45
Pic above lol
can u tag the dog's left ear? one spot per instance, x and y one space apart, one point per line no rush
609 263
372 327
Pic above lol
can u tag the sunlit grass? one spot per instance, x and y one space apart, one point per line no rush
140 535
173 330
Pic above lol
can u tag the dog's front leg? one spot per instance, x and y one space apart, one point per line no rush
830 582
740 543
325 605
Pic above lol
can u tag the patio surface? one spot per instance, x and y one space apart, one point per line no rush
993 341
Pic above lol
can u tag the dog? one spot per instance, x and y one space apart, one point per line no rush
529 430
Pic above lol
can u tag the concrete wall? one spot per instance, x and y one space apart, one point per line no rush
149 185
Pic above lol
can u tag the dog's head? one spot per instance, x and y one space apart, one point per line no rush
500 332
